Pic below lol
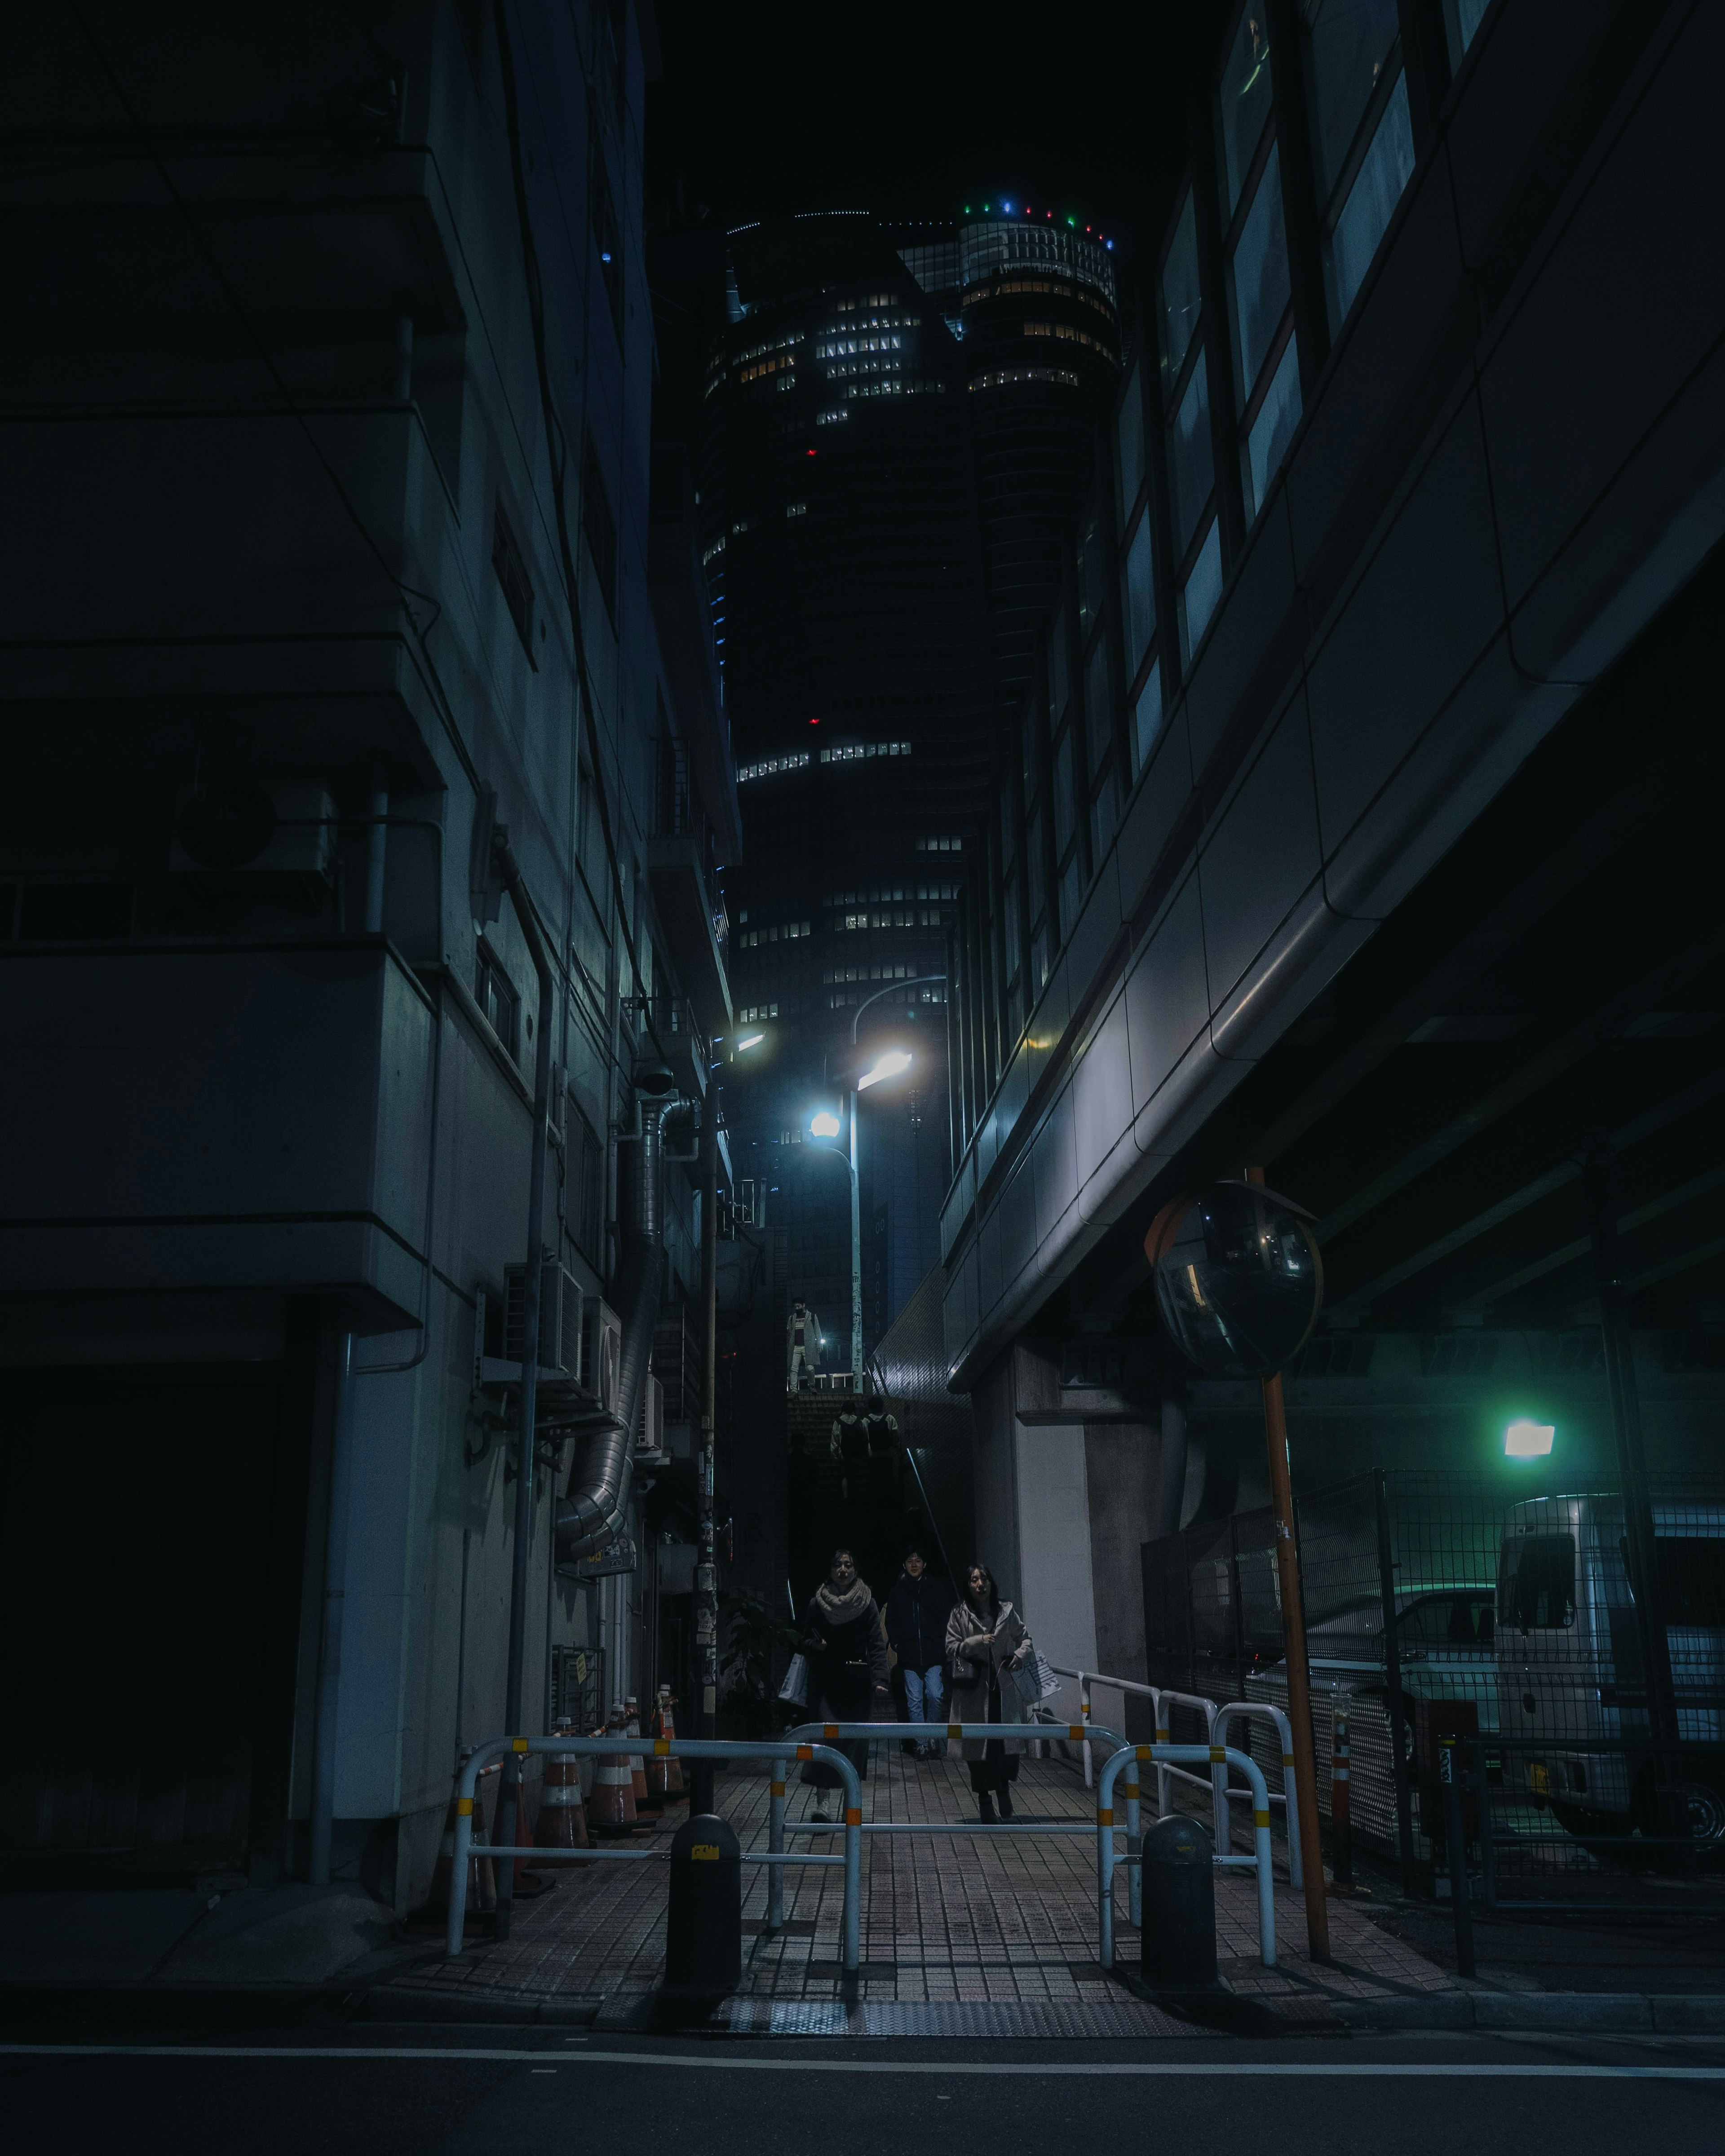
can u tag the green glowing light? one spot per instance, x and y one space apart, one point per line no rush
1525 1439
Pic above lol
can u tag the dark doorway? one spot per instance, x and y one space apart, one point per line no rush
151 1562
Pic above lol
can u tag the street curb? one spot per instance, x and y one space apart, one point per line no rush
402 2003
1674 2014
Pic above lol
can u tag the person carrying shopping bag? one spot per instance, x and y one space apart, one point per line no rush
986 1644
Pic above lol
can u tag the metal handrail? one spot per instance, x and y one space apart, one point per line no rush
1215 1720
661 1747
1262 1711
1168 1755
953 1731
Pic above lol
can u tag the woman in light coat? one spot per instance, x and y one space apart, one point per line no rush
986 1641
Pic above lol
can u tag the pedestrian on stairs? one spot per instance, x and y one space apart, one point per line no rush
986 1641
916 1613
845 1643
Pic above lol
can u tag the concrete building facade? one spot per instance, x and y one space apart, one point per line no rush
332 375
1354 828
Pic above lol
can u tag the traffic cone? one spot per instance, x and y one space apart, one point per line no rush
645 1799
613 1810
665 1776
563 1821
433 1914
528 1885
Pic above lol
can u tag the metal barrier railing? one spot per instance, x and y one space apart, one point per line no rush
1258 1710
881 1732
1173 1754
818 1743
663 1747
1216 1720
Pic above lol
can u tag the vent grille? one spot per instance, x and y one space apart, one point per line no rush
559 1316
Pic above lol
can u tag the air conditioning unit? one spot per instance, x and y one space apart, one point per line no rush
560 1300
649 1431
238 826
602 1354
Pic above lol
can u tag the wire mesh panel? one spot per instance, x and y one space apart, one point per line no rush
1438 1606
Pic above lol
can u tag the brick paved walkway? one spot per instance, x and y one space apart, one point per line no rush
945 1918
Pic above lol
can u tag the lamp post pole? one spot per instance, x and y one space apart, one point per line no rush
856 1254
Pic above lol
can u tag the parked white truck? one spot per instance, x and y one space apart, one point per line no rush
1572 1697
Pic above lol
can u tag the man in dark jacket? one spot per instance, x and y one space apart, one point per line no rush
916 1613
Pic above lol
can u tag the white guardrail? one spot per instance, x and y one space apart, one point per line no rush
816 1740
1216 1720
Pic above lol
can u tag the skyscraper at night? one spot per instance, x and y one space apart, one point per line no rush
897 425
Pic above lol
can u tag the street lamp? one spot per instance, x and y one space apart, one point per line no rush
824 1124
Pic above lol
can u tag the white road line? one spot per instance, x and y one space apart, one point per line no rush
1148 2069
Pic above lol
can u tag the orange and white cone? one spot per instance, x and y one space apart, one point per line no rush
645 1799
665 1776
563 1821
612 1810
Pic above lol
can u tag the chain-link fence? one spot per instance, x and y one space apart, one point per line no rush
1436 1606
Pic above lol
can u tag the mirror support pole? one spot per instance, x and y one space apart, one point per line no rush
1293 1638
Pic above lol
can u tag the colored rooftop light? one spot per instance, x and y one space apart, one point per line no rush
1528 1441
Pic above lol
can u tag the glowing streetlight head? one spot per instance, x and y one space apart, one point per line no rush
825 1125
1528 1441
891 1064
750 1040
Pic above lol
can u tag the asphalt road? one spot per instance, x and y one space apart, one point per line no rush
469 2092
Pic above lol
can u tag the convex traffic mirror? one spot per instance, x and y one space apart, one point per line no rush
1239 1281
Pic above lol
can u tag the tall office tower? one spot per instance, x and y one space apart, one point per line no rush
842 551
1029 290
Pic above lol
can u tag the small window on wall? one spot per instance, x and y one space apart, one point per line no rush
1362 137
1129 448
1098 707
1461 18
1201 593
498 998
1244 102
1138 577
1147 721
1180 298
1266 370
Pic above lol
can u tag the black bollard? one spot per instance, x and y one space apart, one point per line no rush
703 1933
1456 1851
1179 1907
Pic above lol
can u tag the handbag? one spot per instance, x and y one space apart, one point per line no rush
795 1690
1027 1681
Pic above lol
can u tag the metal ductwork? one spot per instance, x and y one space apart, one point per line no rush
592 1514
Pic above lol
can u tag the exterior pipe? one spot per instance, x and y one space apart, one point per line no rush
707 1576
377 840
508 874
592 1513
329 1659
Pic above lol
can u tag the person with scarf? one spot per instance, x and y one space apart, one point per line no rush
845 1643
986 1641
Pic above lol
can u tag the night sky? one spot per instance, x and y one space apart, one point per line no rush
913 111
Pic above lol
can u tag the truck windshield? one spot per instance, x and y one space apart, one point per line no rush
1539 1582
